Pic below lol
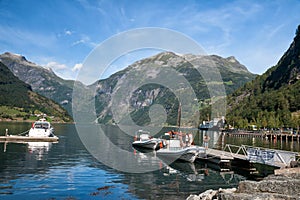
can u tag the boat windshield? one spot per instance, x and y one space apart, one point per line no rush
144 137
41 125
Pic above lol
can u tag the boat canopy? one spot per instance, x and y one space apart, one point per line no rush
44 125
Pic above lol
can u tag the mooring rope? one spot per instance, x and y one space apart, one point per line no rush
23 132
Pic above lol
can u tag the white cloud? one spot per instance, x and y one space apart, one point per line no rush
68 32
77 67
82 41
62 70
85 40
56 66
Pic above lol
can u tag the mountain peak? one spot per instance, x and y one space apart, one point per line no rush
14 55
17 58
232 59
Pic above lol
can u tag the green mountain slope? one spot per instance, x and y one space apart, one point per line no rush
43 81
272 99
233 75
17 100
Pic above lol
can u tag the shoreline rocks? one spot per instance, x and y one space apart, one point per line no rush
285 186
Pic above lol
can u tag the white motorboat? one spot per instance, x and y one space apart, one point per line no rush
175 151
144 140
41 128
179 145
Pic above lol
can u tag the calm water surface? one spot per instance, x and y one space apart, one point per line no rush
66 170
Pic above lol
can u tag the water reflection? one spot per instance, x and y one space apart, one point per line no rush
63 170
179 180
147 157
66 170
39 149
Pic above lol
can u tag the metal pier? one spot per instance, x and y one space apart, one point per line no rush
230 153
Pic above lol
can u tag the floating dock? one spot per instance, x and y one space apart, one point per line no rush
17 139
249 155
216 156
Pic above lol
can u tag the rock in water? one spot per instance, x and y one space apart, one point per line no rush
274 187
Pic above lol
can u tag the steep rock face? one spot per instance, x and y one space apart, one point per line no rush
198 71
271 100
43 81
287 71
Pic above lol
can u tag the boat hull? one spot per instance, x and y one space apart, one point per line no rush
188 154
34 132
149 144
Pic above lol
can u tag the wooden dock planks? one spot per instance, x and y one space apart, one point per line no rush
222 155
15 138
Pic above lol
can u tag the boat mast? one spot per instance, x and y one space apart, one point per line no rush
179 116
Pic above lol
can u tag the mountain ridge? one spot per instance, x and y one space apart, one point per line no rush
191 67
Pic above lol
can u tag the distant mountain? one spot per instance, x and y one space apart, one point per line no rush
233 75
43 81
272 99
17 100
47 83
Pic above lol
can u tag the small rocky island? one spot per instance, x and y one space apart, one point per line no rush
284 185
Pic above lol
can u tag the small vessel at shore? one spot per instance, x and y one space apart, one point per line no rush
144 140
188 154
41 131
41 128
175 150
179 145
216 124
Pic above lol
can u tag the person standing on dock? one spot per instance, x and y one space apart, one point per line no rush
205 141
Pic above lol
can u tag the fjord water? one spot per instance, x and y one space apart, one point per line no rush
66 170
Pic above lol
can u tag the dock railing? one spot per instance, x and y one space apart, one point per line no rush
273 157
235 150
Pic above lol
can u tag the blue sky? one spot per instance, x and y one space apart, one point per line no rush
61 33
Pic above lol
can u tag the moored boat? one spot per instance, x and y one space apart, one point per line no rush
179 145
40 131
175 151
41 128
144 140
